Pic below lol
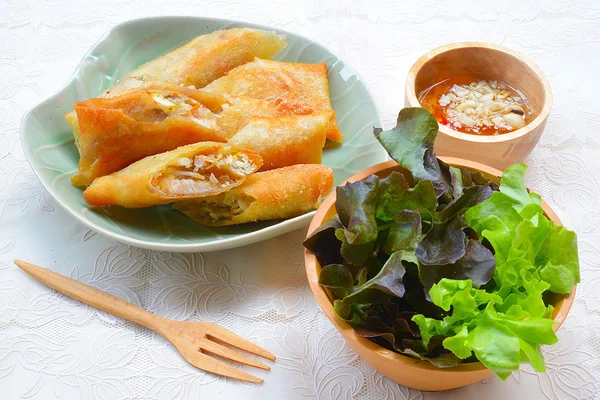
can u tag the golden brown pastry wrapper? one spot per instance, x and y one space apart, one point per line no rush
297 88
284 141
208 57
116 132
198 62
142 184
279 193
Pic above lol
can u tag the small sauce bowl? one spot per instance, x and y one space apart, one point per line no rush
491 62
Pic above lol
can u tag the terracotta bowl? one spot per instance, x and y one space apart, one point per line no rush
402 369
492 62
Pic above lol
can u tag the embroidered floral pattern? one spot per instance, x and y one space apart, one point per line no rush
52 347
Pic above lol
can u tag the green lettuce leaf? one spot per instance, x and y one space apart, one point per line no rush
495 346
338 279
442 264
401 242
524 239
495 331
355 204
388 282
394 195
323 243
456 180
445 243
513 186
559 260
532 255
410 144
462 178
405 233
470 197
499 340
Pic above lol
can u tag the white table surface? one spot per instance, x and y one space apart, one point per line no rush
52 347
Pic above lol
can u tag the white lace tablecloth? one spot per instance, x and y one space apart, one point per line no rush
54 348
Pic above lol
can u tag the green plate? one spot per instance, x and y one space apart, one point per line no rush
48 142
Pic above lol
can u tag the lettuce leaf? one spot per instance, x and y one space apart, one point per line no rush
501 341
477 265
387 282
355 204
441 264
394 195
323 243
559 260
393 329
456 180
405 233
446 241
402 240
337 278
523 239
410 144
532 255
513 186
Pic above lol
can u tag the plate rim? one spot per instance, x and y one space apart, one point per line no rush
269 232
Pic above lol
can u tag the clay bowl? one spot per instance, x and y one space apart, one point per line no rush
492 62
402 369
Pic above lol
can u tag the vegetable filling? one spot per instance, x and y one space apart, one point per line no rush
203 173
166 105
222 207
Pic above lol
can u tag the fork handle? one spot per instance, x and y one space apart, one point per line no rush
92 296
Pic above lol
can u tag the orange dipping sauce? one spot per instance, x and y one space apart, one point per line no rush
476 106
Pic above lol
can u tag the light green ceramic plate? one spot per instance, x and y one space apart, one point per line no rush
48 142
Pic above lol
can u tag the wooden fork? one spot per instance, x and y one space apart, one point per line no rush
194 340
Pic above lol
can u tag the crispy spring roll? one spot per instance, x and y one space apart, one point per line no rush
119 131
208 57
299 89
238 110
199 62
284 141
279 193
188 172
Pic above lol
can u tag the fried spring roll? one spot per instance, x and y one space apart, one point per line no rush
299 89
279 193
208 57
199 62
284 141
192 171
238 110
119 131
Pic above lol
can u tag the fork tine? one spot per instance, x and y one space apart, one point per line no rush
209 364
229 354
222 335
